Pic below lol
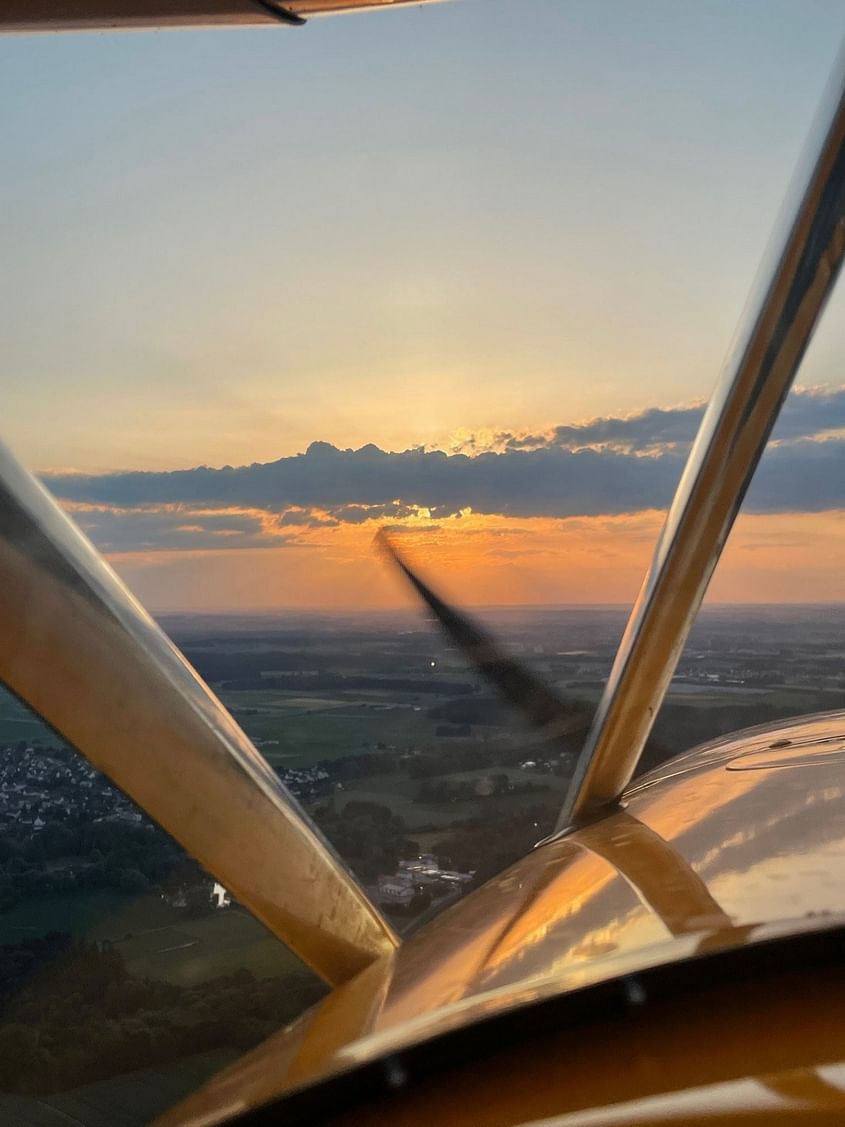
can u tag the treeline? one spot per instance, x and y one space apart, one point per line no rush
358 766
367 835
475 756
680 727
340 682
220 665
127 858
477 710
440 790
71 1014
491 843
485 710
223 665
458 756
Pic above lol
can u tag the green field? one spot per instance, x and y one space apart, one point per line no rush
795 698
207 947
295 731
290 730
398 794
156 940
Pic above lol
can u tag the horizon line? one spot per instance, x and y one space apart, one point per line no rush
338 612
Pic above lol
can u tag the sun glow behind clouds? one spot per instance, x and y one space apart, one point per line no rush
487 560
562 514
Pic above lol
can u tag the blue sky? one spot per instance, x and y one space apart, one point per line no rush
220 246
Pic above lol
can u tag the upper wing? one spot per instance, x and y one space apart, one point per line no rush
60 15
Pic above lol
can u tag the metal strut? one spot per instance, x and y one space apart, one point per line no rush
793 286
77 647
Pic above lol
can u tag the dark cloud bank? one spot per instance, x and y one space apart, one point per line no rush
805 414
608 466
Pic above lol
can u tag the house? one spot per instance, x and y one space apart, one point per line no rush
396 890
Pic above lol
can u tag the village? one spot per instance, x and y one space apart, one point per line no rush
45 787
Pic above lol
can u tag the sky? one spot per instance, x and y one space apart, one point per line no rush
466 270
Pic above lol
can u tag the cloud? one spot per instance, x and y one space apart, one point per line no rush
305 518
655 428
607 467
357 485
807 412
136 529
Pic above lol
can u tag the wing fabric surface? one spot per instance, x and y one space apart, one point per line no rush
83 654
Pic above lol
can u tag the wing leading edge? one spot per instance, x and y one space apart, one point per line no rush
93 15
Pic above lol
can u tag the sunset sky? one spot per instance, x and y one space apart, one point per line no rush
467 271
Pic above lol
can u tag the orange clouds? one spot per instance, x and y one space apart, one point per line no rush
485 560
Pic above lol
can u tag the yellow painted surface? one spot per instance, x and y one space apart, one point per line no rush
723 847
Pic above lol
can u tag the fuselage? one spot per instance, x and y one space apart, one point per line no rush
728 848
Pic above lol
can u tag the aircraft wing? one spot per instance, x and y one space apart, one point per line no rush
64 15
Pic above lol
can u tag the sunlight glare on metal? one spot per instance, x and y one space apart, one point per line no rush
794 284
81 651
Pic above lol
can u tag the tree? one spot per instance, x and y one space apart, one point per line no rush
131 880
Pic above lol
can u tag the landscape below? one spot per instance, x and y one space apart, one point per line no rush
119 953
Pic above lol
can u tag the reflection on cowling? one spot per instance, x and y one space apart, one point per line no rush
699 851
699 859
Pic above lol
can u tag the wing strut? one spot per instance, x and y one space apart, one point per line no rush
81 651
792 288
